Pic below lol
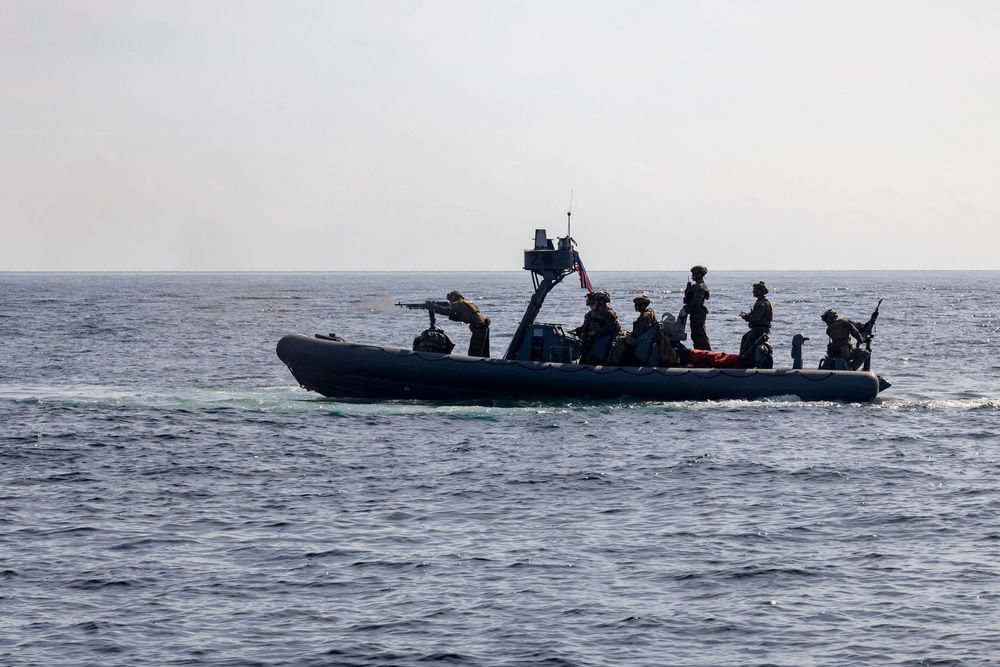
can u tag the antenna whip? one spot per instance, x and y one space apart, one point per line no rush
569 223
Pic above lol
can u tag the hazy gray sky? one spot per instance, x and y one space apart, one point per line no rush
327 135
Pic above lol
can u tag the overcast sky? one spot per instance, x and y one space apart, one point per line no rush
373 135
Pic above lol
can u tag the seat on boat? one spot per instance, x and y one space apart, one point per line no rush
602 348
647 346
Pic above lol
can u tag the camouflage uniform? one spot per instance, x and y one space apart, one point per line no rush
603 322
460 309
584 331
840 331
695 296
758 319
626 343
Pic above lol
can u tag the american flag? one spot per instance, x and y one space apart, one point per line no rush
584 278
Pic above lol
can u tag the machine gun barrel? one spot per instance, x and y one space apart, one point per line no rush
426 305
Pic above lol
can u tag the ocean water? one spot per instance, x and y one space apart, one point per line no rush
169 496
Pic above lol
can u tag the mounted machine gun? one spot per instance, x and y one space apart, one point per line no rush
428 306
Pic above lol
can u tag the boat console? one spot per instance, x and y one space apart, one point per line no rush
548 342
549 263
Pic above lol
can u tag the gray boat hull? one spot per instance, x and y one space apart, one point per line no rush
340 369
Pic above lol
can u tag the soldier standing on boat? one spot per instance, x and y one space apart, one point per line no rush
695 296
841 330
460 309
625 345
758 319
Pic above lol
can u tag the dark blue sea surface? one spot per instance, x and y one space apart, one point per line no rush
169 496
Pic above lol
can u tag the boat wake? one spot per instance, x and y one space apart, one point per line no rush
291 399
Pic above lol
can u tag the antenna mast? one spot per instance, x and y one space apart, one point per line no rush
569 222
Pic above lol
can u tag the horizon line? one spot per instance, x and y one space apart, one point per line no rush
406 271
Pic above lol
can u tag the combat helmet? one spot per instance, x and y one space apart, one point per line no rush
602 297
698 268
455 295
641 299
760 286
829 315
